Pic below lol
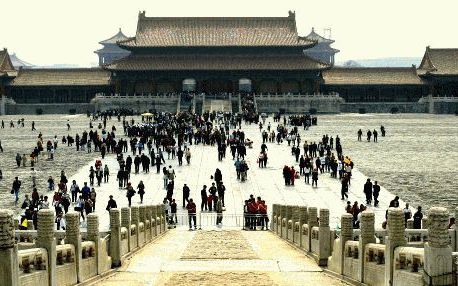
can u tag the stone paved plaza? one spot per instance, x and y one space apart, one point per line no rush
265 182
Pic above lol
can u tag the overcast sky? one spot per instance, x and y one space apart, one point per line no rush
48 32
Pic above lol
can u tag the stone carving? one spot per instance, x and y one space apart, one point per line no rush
6 229
346 225
396 225
313 213
92 224
438 225
114 218
45 231
367 224
324 217
304 214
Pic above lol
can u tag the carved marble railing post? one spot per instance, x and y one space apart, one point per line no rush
296 218
409 224
126 222
161 212
273 221
280 220
141 217
135 221
304 217
9 267
346 234
148 218
324 236
438 253
45 239
154 220
424 223
93 234
313 221
115 237
367 236
73 236
396 238
456 231
289 223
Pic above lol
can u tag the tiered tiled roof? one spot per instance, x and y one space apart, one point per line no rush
5 62
62 77
439 62
116 38
371 76
216 62
216 32
313 36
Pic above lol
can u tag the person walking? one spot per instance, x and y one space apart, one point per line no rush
173 213
191 207
376 193
315 177
15 189
106 174
417 218
130 193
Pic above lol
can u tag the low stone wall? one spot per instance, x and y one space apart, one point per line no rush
383 107
298 103
64 108
137 103
77 259
363 257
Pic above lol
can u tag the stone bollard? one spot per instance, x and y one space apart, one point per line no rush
9 266
148 218
346 234
396 238
424 223
410 223
93 234
313 221
73 236
303 219
324 238
296 218
438 253
456 231
154 220
45 239
142 219
161 212
273 221
135 221
280 220
126 222
367 227
115 237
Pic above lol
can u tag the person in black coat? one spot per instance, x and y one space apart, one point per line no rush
368 191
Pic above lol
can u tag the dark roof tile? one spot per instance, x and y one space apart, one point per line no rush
62 77
371 76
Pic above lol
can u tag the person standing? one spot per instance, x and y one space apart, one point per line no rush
180 154
417 218
111 204
315 177
106 174
93 196
376 193
188 156
368 191
203 196
219 211
191 207
141 191
407 214
173 213
186 192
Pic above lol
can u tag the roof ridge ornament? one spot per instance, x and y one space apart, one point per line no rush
292 14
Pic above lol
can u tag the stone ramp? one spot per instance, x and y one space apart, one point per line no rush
188 258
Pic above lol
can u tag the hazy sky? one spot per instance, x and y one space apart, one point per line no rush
47 32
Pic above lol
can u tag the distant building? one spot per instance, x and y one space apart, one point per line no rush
322 51
18 63
217 55
439 67
7 71
111 51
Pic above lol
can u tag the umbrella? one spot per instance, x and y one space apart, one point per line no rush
147 114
